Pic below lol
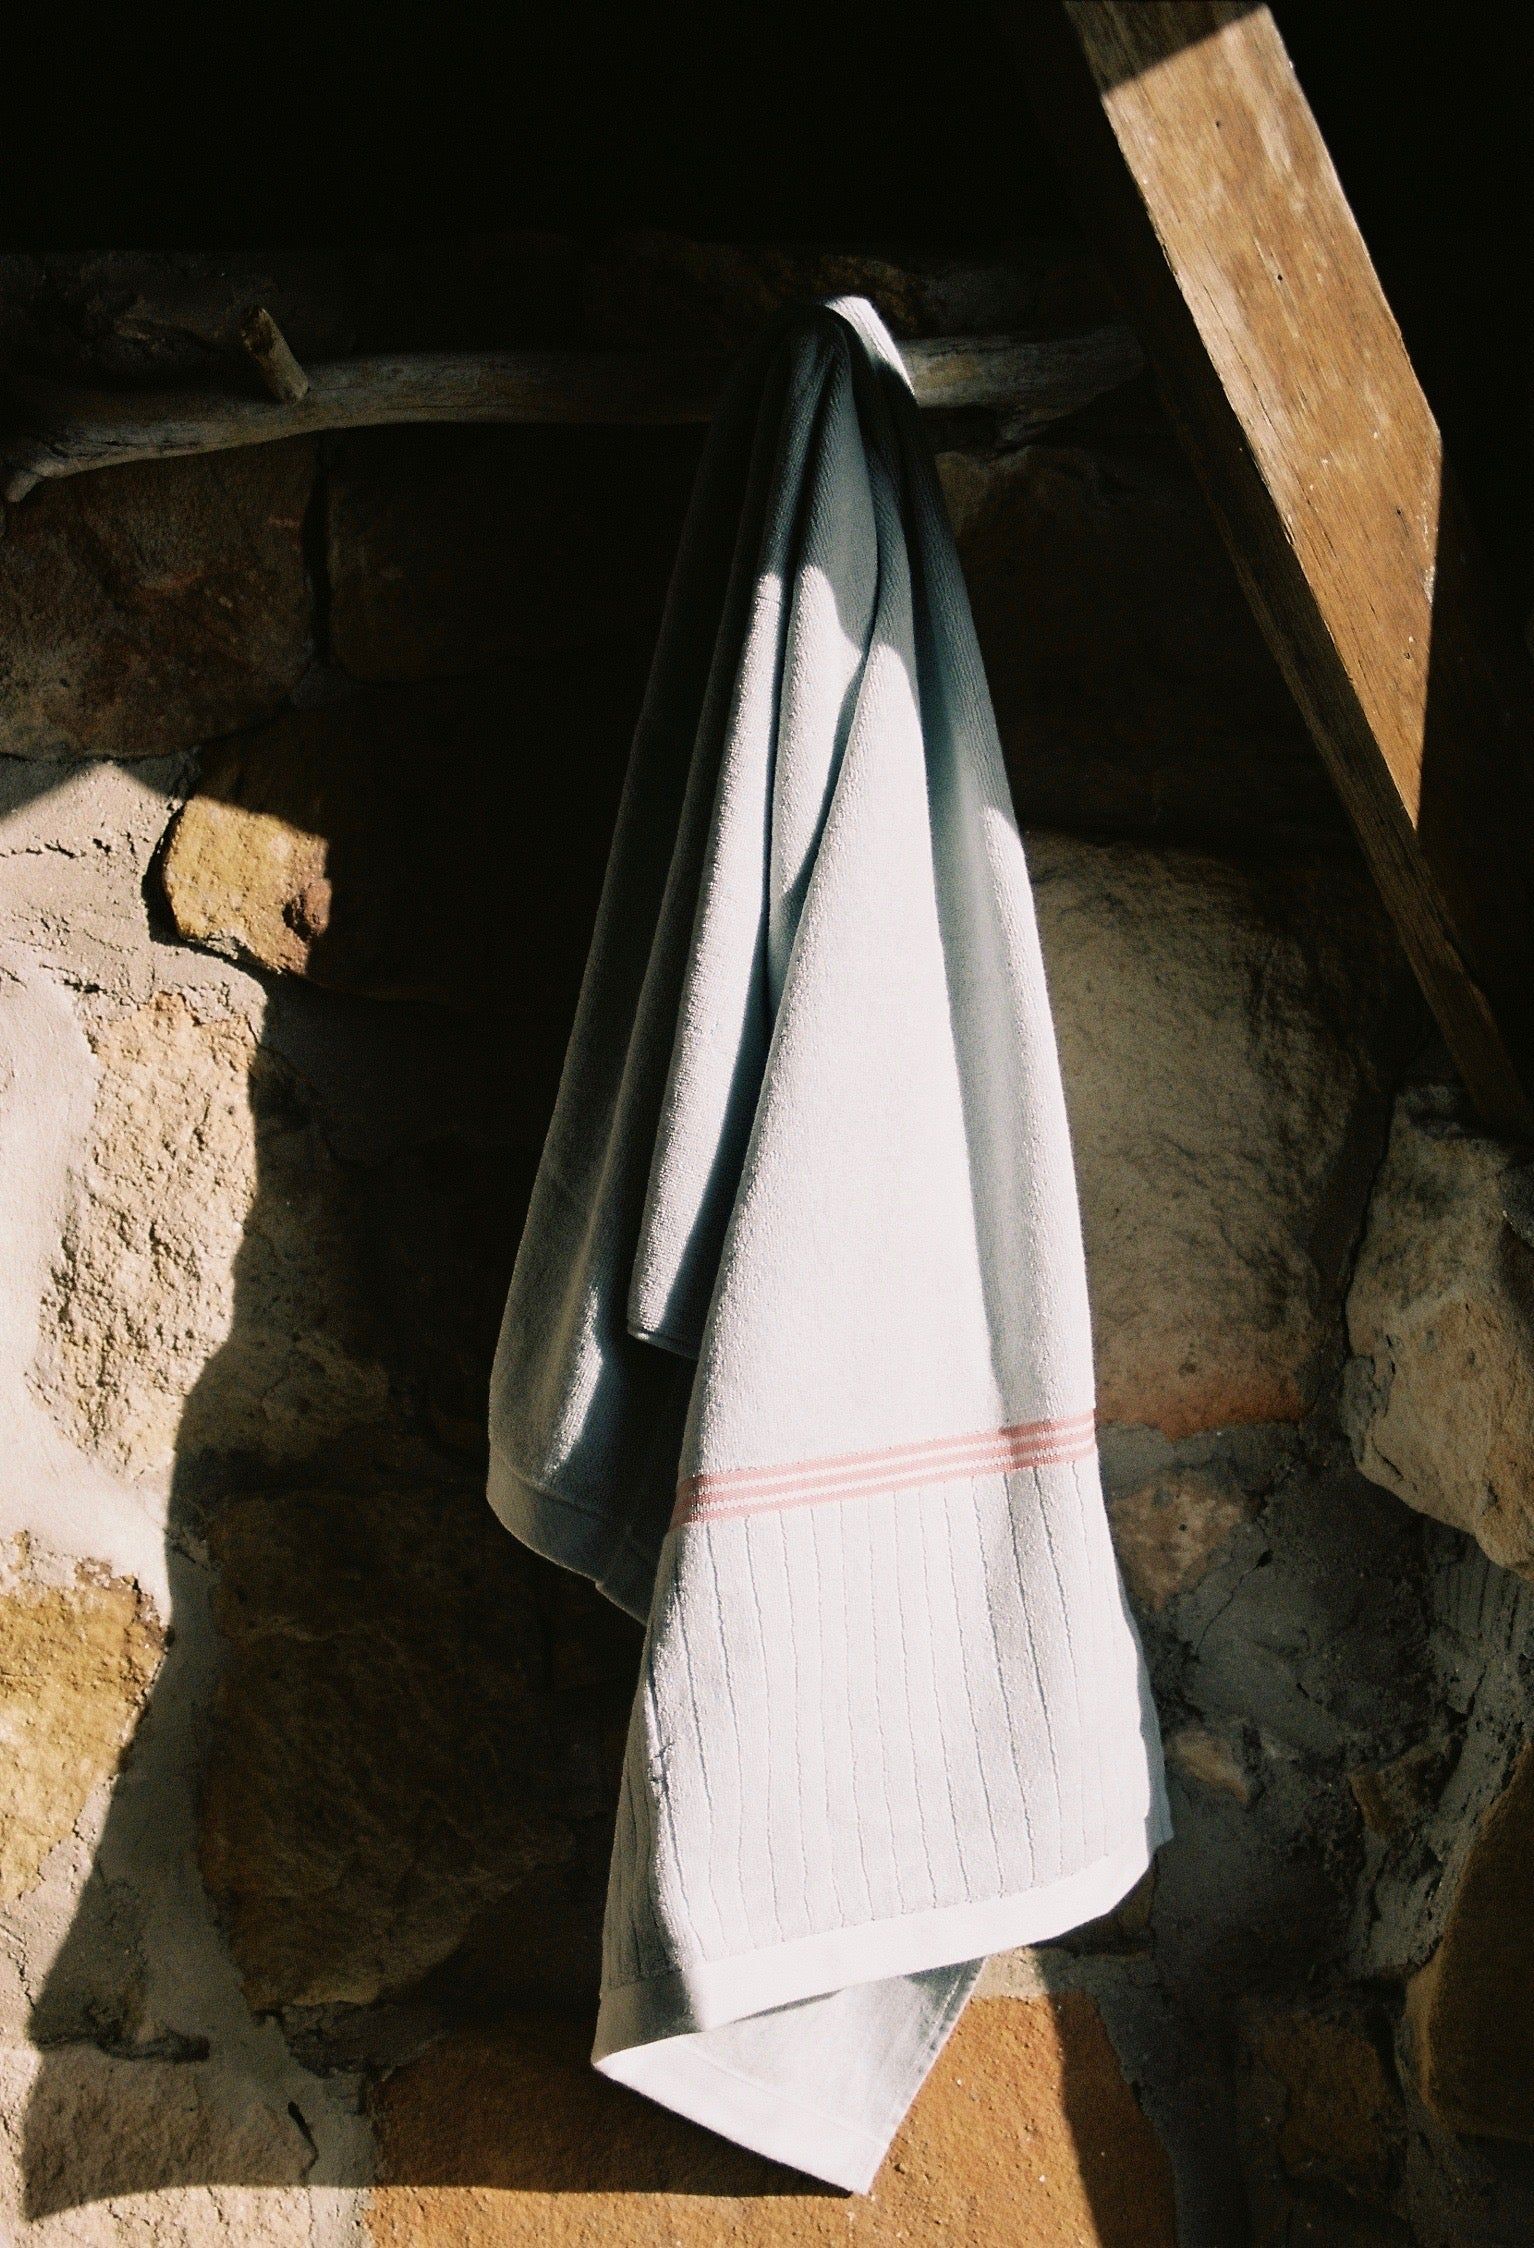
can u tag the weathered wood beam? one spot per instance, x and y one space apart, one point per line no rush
1032 380
1199 166
272 356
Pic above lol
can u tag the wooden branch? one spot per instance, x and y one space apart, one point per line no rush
1198 164
1035 381
272 356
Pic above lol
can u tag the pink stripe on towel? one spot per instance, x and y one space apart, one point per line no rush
902 1467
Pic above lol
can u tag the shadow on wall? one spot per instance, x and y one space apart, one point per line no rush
1025 2131
360 1837
385 1740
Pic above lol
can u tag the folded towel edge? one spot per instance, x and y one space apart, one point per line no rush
682 2076
708 1993
573 1537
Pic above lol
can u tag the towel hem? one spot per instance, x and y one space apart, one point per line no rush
708 1993
680 2075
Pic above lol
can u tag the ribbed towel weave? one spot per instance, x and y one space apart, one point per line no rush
796 1361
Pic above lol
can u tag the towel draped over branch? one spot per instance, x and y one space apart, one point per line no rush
796 1361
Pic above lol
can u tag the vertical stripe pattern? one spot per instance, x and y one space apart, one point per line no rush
954 1712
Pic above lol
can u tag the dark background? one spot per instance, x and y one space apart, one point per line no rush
339 121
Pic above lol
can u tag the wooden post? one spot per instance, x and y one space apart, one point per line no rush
1185 135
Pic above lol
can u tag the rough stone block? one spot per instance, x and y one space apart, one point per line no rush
443 842
1439 1399
1334 2112
1227 1035
397 1771
156 605
138 2144
1133 692
454 550
1026 2135
1392 1798
1169 1533
1210 1760
76 1661
203 1296
1470 2010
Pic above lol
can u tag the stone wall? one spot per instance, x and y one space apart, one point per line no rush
309 760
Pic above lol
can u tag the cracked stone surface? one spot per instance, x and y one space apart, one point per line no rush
1228 1037
351 1855
1440 1397
155 607
75 1664
1169 1533
201 1297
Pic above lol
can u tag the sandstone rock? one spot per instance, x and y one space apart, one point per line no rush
453 550
1392 1797
1025 2131
1470 2010
1170 1532
75 1665
443 842
1227 1036
1337 2113
155 605
240 879
96 2129
1210 1759
352 1852
77 837
1439 1400
204 1297
1133 691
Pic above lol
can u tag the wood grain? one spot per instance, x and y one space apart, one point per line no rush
1036 379
1194 154
272 356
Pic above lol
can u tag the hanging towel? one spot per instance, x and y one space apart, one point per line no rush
796 1361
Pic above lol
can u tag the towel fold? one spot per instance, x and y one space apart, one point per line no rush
796 1361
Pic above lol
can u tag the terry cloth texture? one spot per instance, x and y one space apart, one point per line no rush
796 1362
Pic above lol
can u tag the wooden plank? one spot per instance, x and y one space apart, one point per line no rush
1033 378
1198 164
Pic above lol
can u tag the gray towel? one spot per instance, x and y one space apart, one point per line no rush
796 1362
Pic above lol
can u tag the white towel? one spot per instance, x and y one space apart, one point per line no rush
796 1361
